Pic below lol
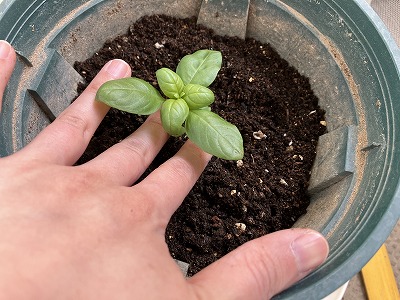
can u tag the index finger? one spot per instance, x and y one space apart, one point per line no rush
64 140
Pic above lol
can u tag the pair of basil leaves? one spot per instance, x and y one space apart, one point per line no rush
187 107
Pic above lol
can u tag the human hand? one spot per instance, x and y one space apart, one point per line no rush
84 232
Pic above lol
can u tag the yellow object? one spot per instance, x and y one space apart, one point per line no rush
378 277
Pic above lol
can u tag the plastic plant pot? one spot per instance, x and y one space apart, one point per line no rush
341 45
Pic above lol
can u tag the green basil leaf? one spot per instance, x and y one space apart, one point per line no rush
170 83
200 67
214 135
132 95
173 115
197 96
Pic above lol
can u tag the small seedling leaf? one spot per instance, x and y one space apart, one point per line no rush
170 83
197 96
214 135
132 95
200 67
173 115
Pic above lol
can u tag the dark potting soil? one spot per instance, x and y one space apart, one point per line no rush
269 101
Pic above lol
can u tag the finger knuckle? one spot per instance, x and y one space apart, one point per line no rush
182 170
136 147
73 121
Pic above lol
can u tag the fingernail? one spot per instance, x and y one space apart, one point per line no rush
310 250
5 49
116 68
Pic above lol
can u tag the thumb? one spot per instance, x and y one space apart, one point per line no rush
263 267
7 62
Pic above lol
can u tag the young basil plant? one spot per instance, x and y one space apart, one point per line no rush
187 107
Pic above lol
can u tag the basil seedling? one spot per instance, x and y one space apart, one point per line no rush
187 107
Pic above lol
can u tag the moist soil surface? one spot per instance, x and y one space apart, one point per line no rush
272 105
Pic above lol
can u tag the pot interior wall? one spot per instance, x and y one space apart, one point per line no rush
340 45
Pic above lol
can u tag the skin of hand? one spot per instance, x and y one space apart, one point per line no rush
86 232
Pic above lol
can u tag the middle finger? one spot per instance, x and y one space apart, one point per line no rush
125 162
